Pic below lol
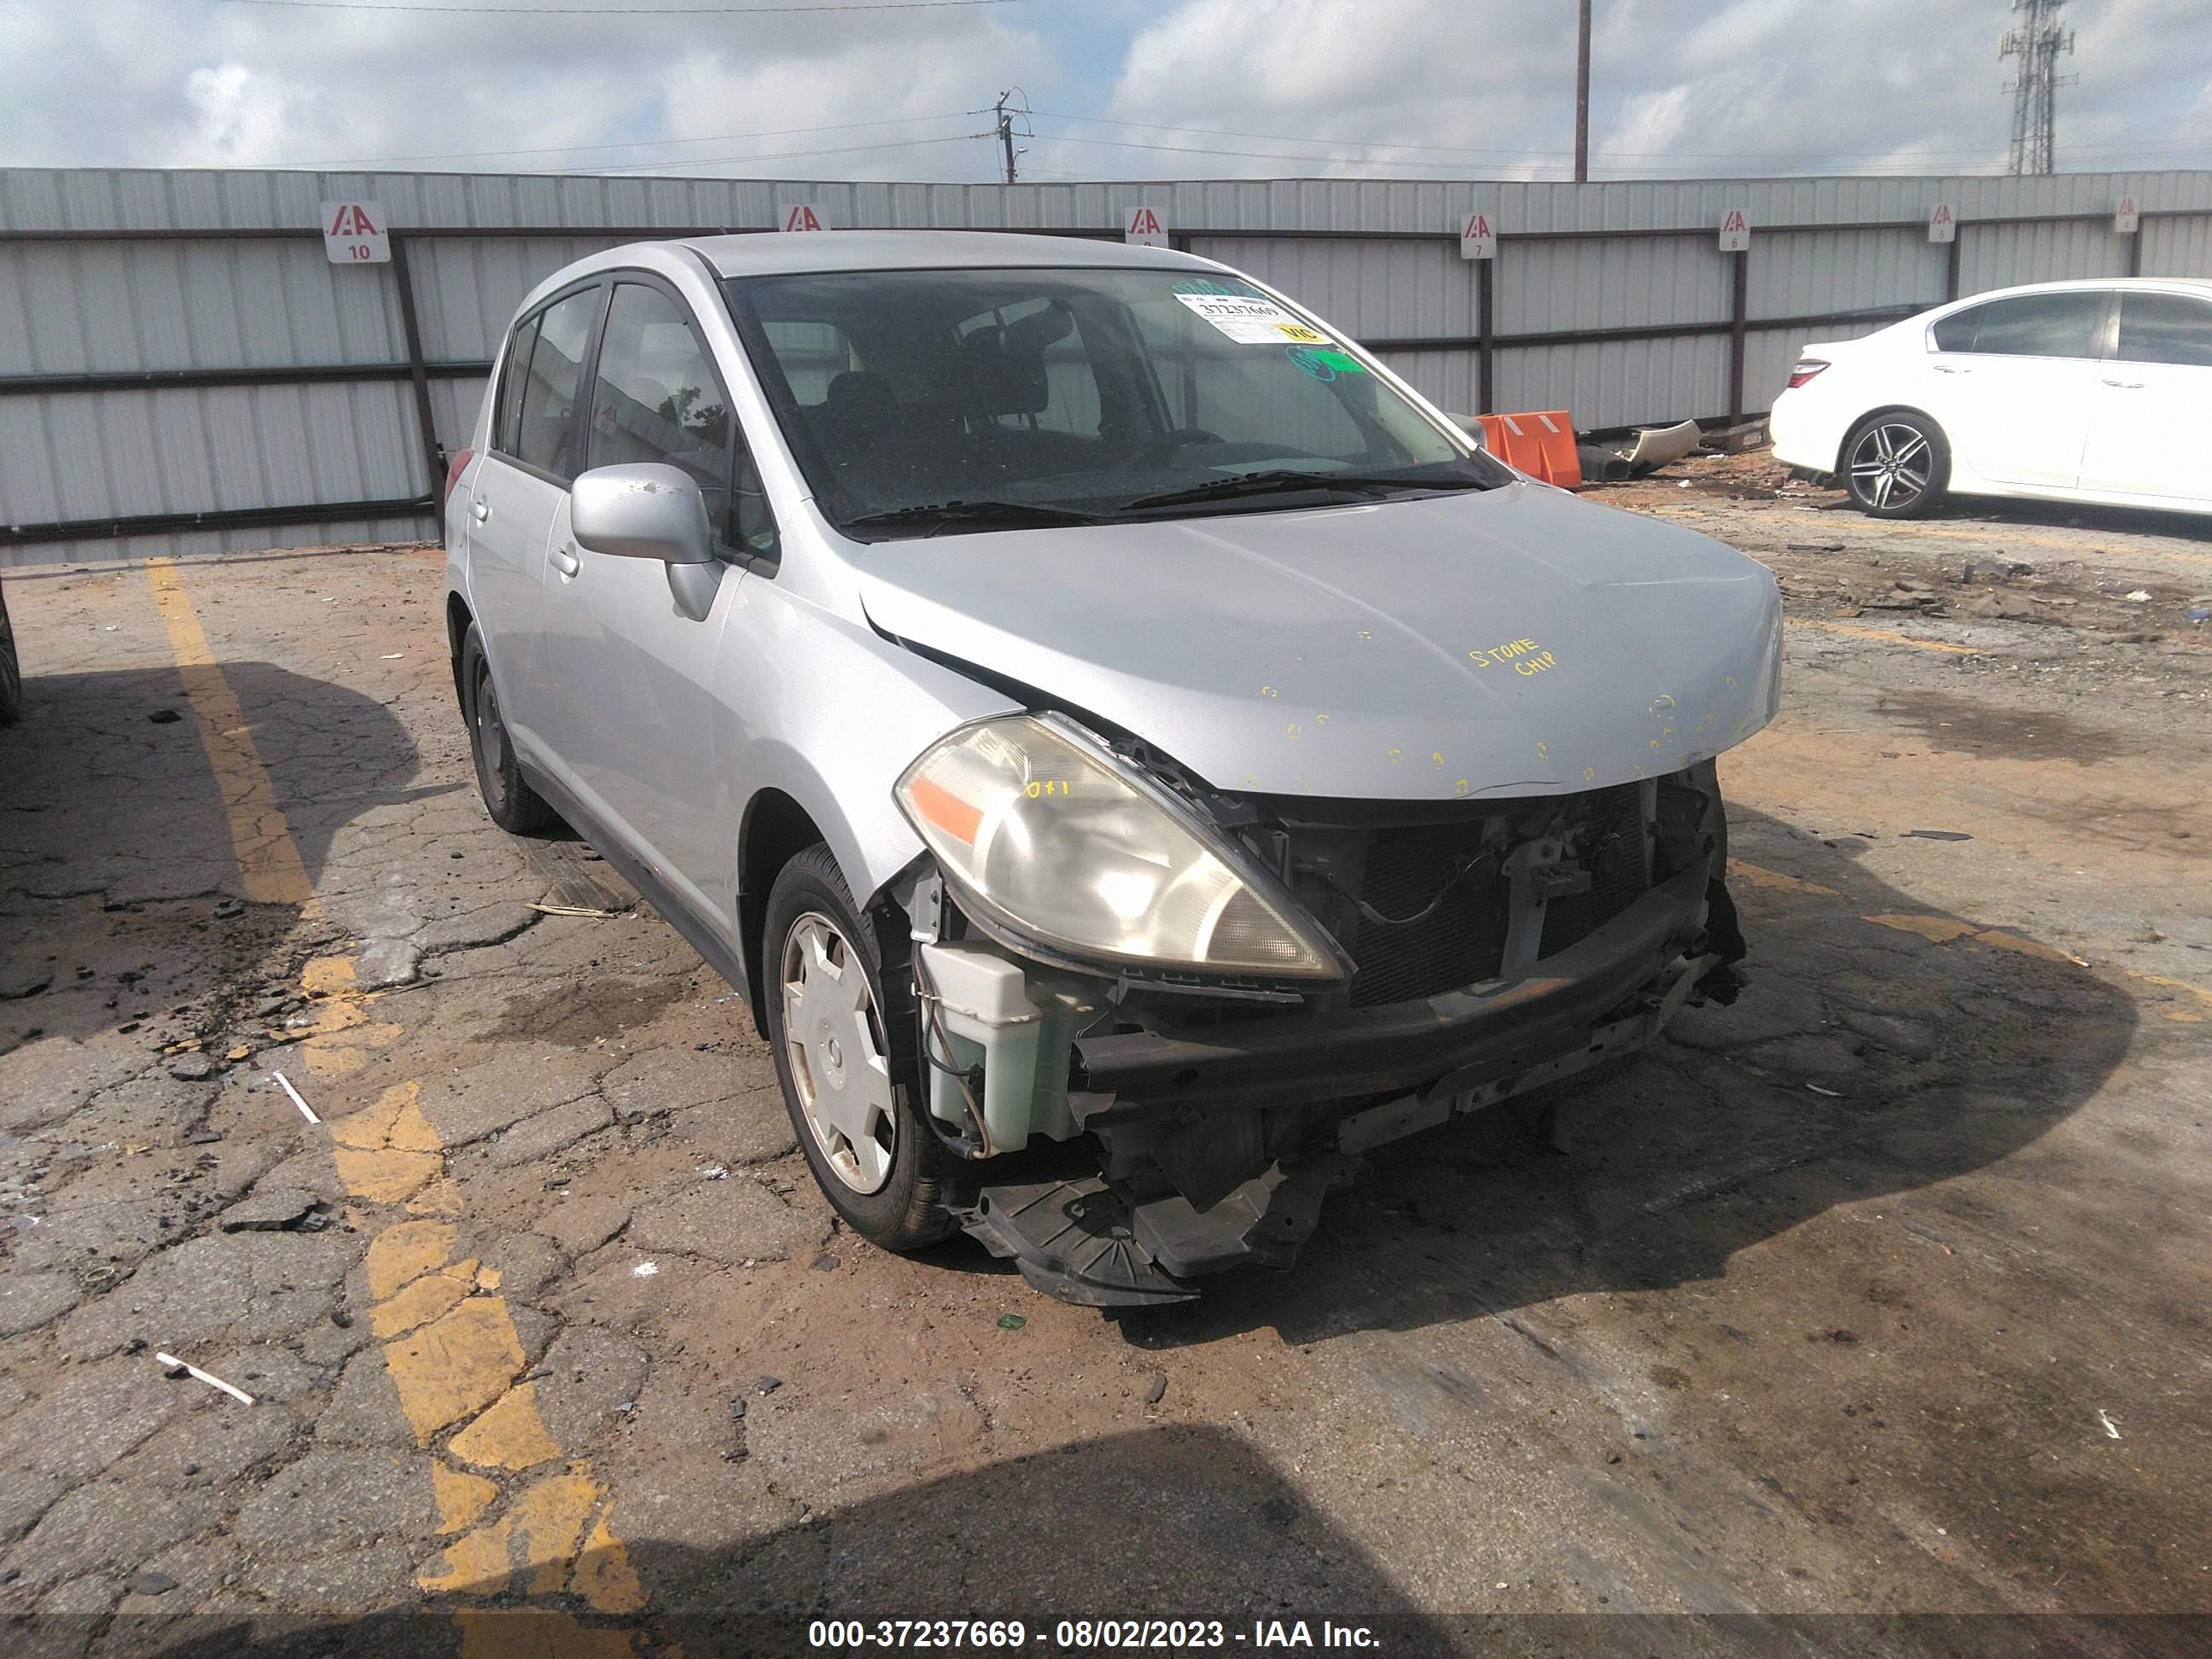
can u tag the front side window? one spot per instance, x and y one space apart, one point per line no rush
2164 328
657 397
1073 395
2069 325
546 436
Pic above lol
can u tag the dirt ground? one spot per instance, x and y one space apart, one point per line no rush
1869 1314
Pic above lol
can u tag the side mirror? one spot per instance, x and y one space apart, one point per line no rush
1472 425
645 510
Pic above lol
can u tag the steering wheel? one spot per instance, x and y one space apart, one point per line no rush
1163 449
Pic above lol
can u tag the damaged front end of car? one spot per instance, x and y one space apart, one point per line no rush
1163 1023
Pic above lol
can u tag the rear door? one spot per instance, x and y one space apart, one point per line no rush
633 672
2010 380
2150 427
520 489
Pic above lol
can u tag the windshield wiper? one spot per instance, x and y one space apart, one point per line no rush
1280 480
937 514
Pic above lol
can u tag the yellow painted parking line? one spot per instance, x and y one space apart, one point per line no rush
269 861
2185 1014
1883 634
1941 930
1753 875
450 1344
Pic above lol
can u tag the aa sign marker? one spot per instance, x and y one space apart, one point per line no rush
804 216
1144 227
356 234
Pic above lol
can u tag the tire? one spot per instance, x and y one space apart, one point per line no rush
12 671
1896 465
514 807
856 1113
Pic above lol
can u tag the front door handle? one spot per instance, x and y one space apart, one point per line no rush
480 510
2126 385
566 562
1951 368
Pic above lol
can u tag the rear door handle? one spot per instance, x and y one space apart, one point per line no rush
480 510
2126 385
1951 368
566 562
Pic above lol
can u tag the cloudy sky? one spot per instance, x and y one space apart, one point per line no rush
1116 89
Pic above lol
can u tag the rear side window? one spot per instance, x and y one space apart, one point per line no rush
2069 325
2165 328
507 420
546 438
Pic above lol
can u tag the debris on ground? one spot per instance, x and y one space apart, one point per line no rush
177 1367
285 1084
1158 1389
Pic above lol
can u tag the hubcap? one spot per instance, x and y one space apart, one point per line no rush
837 1060
1890 466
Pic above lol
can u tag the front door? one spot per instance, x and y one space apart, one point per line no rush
2150 427
639 668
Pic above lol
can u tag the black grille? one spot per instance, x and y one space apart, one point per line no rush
1609 844
1461 941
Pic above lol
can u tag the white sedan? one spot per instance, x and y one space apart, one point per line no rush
2084 391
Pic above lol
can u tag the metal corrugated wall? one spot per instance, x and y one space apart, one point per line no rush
79 296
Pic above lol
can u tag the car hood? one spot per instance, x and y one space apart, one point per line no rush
1515 642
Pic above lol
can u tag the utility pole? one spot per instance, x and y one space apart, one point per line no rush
1007 132
2039 42
1582 94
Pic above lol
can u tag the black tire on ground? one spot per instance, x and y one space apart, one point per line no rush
514 807
910 1208
1896 465
12 671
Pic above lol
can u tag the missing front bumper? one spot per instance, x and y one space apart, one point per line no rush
1102 1242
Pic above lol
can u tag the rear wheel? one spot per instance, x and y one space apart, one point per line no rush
11 673
1896 465
514 807
829 1024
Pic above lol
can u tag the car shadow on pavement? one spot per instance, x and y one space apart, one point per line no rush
117 846
1180 1522
1880 1047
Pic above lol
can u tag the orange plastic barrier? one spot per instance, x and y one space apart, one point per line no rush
1541 444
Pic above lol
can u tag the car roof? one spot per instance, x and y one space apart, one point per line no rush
2193 284
778 253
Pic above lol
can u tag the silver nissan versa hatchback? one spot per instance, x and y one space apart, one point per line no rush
1134 753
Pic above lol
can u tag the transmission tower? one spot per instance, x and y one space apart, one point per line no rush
2039 42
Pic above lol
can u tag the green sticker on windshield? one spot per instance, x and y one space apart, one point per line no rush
1325 362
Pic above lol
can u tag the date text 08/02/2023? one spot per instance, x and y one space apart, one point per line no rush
1088 1635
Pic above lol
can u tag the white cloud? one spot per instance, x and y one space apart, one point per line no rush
1732 85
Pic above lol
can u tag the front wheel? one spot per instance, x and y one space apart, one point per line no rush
829 1028
1896 465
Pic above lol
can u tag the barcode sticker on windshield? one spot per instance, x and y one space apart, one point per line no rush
1250 320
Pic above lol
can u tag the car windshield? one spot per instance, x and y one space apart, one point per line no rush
929 402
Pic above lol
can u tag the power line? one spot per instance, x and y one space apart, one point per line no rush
2137 148
791 155
616 11
630 143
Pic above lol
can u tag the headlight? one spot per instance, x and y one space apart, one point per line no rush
1050 837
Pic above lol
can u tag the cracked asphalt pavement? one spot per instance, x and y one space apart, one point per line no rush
1881 1295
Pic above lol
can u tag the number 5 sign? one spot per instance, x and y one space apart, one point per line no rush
355 234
